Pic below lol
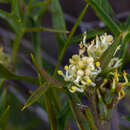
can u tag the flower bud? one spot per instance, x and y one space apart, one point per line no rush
80 72
109 38
81 64
71 61
84 59
75 57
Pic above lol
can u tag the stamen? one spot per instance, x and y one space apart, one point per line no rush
59 72
97 63
66 67
89 81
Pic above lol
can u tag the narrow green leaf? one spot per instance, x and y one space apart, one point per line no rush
51 111
15 49
79 118
4 118
69 38
14 23
53 82
58 21
2 82
44 29
125 39
39 8
57 15
36 39
15 11
65 111
28 12
35 95
104 16
3 100
6 74
123 50
45 75
89 118
106 6
38 3
127 23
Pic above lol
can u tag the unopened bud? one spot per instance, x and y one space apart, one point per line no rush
80 72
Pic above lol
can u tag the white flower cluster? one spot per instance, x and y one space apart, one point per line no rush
83 69
99 45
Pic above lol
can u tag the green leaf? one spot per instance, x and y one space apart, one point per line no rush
106 6
108 54
36 39
123 50
15 49
44 29
127 23
53 82
3 100
51 111
14 23
79 118
36 95
2 82
58 21
15 11
6 74
89 118
43 73
103 14
4 118
70 37
65 111
39 8
126 39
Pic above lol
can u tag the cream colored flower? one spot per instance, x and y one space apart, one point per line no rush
83 70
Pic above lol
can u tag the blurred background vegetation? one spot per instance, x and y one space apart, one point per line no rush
51 31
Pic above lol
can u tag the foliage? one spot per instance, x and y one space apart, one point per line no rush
64 106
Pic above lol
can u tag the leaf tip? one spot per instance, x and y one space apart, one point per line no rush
23 108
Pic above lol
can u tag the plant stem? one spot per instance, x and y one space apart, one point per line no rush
101 124
35 29
92 100
90 118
